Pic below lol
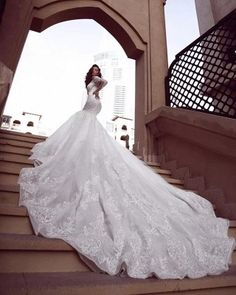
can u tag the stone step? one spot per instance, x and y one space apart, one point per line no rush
10 210
14 219
9 188
232 229
153 164
14 163
21 137
8 179
9 195
29 253
27 135
166 174
15 225
92 283
15 150
32 243
11 179
17 143
161 171
13 167
9 198
14 158
173 180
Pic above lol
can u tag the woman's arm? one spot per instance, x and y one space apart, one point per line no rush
100 83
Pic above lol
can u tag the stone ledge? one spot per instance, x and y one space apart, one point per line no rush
15 150
20 138
9 188
23 134
86 283
16 143
10 210
15 159
215 124
31 242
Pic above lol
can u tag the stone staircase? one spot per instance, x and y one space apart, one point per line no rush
32 264
198 184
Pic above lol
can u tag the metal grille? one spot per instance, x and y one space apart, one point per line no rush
203 75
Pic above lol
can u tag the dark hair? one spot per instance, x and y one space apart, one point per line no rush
89 76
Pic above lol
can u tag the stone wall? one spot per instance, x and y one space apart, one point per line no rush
209 12
200 149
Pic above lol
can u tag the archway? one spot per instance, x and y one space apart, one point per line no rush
59 11
52 12
50 76
137 25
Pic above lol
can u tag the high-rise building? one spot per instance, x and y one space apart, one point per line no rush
120 91
119 100
118 97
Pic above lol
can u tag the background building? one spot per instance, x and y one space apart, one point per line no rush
119 96
122 130
25 123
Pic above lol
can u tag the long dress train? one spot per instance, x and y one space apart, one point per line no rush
114 210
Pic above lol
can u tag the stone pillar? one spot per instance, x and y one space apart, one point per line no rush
140 104
5 81
14 27
154 61
158 54
157 71
15 23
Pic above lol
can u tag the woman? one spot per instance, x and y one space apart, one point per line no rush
113 209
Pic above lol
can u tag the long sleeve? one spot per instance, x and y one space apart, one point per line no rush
99 82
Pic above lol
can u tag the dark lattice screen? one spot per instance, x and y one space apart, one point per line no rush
203 75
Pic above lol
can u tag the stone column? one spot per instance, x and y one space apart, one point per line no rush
5 81
154 64
157 54
16 17
157 69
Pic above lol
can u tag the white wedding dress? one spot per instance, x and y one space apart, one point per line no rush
114 210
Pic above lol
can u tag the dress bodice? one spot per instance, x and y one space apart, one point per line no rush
93 103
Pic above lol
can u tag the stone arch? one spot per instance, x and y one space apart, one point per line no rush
138 26
50 12
58 11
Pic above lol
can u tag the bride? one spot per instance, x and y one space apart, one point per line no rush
114 210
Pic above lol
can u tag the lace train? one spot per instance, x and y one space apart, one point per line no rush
114 210
117 212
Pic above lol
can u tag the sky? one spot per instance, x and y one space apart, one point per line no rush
181 25
50 75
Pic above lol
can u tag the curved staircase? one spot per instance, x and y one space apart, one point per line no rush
32 264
